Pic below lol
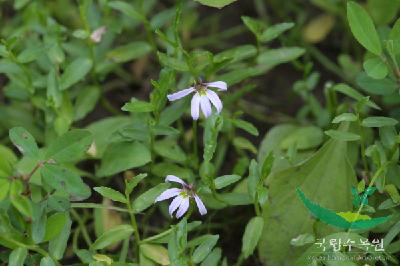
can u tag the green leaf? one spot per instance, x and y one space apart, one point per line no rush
148 198
383 11
215 3
302 240
172 62
345 117
352 93
70 147
246 126
325 176
273 57
137 106
24 141
110 194
169 149
201 252
254 25
58 245
275 30
226 180
133 182
54 225
343 220
244 144
378 121
156 253
212 258
384 86
112 236
375 67
61 178
342 135
86 102
5 185
252 235
17 257
47 261
7 162
75 72
236 54
122 156
363 28
303 138
126 9
129 52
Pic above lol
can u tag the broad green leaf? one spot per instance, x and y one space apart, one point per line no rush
58 245
342 135
47 261
345 117
246 126
102 131
378 121
324 176
169 149
363 28
126 9
70 147
236 54
156 253
113 236
7 162
137 106
131 183
201 252
244 144
129 52
5 185
352 93
383 11
384 86
215 3
75 72
275 30
171 62
254 25
110 194
54 225
122 156
148 198
345 220
212 258
226 180
376 68
86 102
273 57
17 257
252 235
59 177
303 138
24 141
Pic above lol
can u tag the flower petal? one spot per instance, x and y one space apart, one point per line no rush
169 193
195 106
200 205
172 178
214 100
205 106
180 94
175 204
183 207
221 85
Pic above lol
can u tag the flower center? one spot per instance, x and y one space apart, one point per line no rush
201 89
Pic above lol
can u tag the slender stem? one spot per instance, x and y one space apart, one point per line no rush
134 225
96 206
362 145
82 227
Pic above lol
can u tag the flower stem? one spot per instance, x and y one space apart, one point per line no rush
134 225
82 227
195 142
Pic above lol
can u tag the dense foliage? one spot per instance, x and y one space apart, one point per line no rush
199 132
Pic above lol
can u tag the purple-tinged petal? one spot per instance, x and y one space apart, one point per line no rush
172 178
180 94
221 85
205 106
214 100
184 206
98 34
175 204
169 193
195 106
200 205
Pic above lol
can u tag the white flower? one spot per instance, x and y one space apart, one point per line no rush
202 97
97 34
181 197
